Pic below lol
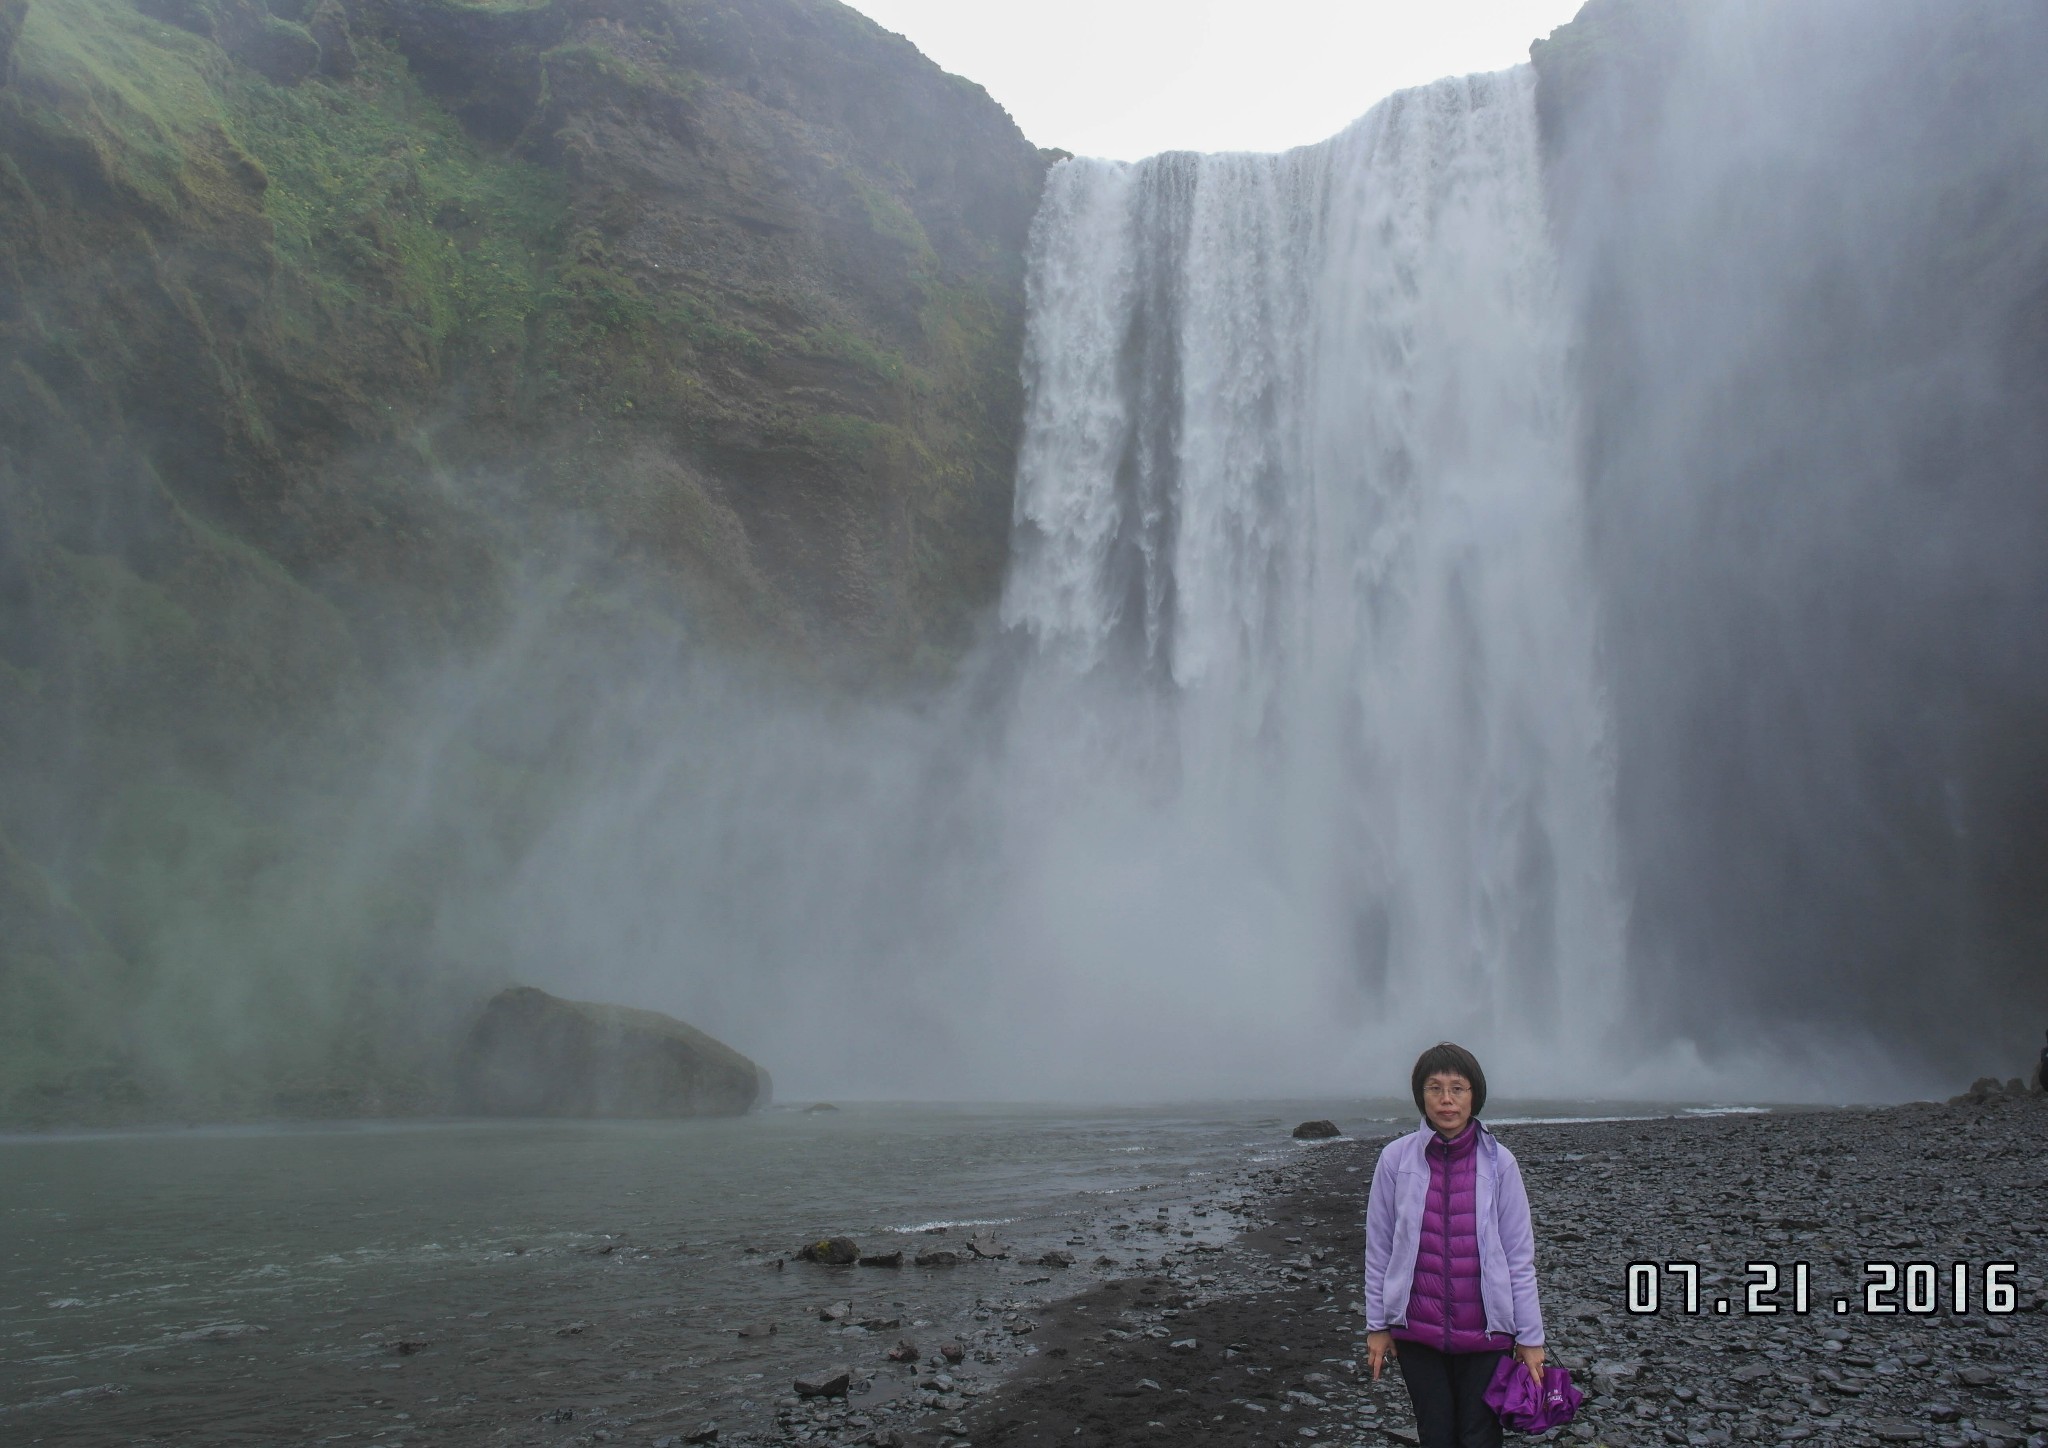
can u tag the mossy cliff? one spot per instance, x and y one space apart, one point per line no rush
324 327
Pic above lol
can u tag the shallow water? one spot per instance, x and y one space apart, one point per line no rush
259 1285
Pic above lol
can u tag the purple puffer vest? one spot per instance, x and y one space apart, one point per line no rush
1445 1310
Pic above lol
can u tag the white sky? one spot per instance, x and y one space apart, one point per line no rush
1128 78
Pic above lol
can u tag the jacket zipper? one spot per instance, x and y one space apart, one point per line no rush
1450 1267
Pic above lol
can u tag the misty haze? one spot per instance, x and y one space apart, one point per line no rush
576 579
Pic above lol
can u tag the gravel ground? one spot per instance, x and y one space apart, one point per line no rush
1260 1342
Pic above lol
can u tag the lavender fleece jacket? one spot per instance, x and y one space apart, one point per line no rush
1507 1242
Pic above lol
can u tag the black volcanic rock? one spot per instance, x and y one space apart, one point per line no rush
533 1054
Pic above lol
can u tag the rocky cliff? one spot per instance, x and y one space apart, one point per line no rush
1807 243
325 329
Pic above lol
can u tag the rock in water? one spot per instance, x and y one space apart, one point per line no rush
832 1251
533 1054
1316 1131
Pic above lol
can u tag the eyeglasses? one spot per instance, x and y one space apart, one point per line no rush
1456 1091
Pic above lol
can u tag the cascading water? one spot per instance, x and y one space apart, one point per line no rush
1302 761
1299 540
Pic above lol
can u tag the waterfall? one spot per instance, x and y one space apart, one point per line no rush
1292 756
1299 547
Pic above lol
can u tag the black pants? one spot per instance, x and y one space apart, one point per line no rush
1448 1390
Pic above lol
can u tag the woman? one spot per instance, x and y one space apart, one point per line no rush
1450 1258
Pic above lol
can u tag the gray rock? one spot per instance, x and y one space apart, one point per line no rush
533 1054
937 1257
832 1382
1316 1131
882 1259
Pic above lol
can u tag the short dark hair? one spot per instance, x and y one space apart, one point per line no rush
1455 1060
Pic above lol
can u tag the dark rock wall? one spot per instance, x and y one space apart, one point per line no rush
1809 246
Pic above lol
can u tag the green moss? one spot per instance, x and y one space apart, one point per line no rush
888 216
133 96
857 441
380 200
128 622
600 63
841 344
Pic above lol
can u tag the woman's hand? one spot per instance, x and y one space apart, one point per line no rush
1379 1346
1529 1354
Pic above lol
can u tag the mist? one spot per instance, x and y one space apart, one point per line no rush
1555 567
1805 243
1745 802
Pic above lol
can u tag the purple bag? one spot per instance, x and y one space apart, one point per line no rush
1523 1406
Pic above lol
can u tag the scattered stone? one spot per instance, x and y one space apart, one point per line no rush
705 1433
1056 1258
758 1329
835 1312
904 1352
830 1383
938 1257
984 1244
893 1258
952 1352
1316 1131
1185 1344
831 1251
573 1329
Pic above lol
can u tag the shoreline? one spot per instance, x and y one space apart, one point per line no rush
1217 1300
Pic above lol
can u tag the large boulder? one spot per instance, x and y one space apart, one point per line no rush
533 1054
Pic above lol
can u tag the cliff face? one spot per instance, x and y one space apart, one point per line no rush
325 326
1808 245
